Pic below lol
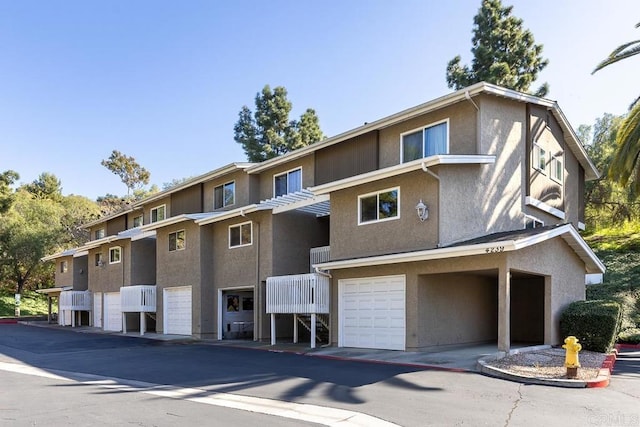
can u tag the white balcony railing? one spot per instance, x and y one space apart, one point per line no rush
75 300
319 255
300 293
138 299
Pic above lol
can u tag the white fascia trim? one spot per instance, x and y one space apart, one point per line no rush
532 201
107 218
79 254
221 216
442 159
173 220
65 253
136 236
301 204
96 243
430 254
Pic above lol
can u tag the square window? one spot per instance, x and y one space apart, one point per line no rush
138 221
63 266
380 206
539 158
158 213
557 169
99 234
98 259
288 182
176 241
240 235
115 255
224 195
428 141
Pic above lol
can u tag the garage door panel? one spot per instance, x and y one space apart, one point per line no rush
177 310
112 313
372 312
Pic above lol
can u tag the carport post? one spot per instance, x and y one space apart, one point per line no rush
273 329
295 328
143 326
124 323
504 310
313 330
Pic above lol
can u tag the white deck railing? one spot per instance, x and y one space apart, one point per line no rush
138 299
319 255
75 300
300 293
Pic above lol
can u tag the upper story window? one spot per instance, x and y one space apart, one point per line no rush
63 266
98 259
115 255
532 222
224 195
158 213
557 168
539 158
99 234
176 241
288 182
380 206
425 142
240 234
138 221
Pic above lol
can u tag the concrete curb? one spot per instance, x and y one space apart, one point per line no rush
602 380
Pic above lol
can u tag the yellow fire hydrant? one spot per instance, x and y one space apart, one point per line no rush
571 361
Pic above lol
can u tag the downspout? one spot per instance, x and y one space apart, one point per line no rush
478 130
322 273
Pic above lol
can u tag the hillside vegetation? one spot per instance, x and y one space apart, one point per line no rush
619 249
31 303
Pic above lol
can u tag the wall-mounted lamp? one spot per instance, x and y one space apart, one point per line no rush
422 210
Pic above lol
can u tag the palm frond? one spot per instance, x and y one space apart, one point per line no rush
621 52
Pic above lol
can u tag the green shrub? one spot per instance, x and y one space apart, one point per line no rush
595 323
630 336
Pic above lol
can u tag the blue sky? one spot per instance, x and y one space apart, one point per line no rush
163 81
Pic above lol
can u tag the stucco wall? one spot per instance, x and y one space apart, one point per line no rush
243 192
110 277
66 278
157 203
294 234
143 261
80 273
308 174
348 239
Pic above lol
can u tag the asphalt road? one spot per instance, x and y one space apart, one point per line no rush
62 377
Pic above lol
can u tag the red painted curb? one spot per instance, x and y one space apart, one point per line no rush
8 321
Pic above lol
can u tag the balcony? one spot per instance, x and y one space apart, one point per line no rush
299 293
138 299
71 303
319 255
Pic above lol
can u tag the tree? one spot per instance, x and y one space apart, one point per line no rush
625 165
7 178
268 132
130 172
47 186
503 52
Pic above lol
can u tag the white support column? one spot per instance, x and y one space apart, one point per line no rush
313 330
295 328
273 329
143 325
124 323
73 318
504 310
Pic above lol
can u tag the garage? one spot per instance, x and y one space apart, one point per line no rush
112 312
97 309
372 312
177 310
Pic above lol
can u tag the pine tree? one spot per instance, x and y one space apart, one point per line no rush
504 53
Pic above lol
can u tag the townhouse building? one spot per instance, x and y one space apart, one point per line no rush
450 223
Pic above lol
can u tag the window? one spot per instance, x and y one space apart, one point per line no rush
63 266
557 168
158 213
380 206
240 234
98 258
138 221
539 158
176 241
532 222
224 195
425 142
99 234
288 182
115 255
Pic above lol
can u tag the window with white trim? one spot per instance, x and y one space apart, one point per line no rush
287 182
138 221
427 141
63 266
99 234
539 158
224 195
115 255
557 168
240 234
380 206
532 222
158 213
176 241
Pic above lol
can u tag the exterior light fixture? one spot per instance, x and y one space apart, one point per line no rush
422 210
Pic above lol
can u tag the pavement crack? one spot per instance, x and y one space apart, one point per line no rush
515 405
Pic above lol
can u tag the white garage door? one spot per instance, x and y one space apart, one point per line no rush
177 310
97 309
112 313
372 312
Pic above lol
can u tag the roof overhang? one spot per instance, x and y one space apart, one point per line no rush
221 216
173 220
442 159
55 290
66 253
567 232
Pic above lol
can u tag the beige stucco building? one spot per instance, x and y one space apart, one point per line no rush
450 223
